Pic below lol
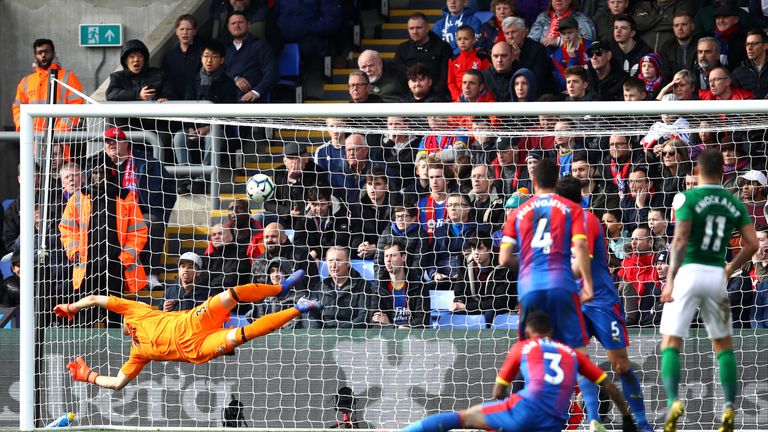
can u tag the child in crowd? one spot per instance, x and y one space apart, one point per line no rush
469 57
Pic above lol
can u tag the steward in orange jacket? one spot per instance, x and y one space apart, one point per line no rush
131 230
33 89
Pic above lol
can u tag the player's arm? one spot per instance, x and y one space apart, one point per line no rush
507 373
584 267
748 248
599 377
507 255
80 371
68 310
676 256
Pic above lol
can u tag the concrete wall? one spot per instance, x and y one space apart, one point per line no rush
23 21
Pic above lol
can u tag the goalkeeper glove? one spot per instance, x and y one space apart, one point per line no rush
628 423
65 310
81 372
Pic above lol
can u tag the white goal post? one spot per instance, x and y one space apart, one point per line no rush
312 118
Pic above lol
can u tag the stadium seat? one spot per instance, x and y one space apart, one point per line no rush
506 321
236 321
365 268
5 269
322 269
439 302
6 203
464 321
483 16
290 70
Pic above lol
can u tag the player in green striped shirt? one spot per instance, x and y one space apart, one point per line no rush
706 216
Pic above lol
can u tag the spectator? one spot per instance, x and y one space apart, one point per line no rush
749 74
277 271
491 31
626 48
432 212
468 58
545 28
486 287
399 151
707 58
604 19
420 86
348 182
329 156
731 35
276 245
186 293
153 186
208 83
345 295
420 185
505 167
498 75
487 202
598 195
473 90
661 231
679 53
325 224
676 165
228 264
642 197
109 219
721 87
405 228
576 85
371 214
753 194
455 15
523 86
246 230
387 81
400 299
138 80
618 239
461 226
436 144
256 11
605 74
181 64
572 50
634 90
541 137
482 144
249 61
360 89
691 181
706 16
427 48
566 144
683 86
654 20
12 216
33 88
735 164
9 288
637 274
292 181
649 307
651 74
619 162
530 54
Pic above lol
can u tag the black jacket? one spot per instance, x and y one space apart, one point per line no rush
344 307
434 54
747 77
604 197
630 62
496 295
499 83
337 230
181 68
288 196
610 87
368 221
418 300
222 90
674 59
228 266
418 255
534 56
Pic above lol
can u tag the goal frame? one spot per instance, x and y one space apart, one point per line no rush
511 109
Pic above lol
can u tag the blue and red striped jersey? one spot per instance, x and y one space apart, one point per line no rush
549 369
602 282
544 228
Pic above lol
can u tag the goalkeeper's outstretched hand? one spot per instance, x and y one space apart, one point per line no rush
628 423
65 310
81 372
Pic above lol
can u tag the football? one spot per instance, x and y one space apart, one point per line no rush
260 188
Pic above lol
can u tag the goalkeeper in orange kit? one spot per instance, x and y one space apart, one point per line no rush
194 336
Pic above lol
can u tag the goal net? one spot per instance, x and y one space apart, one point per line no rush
360 192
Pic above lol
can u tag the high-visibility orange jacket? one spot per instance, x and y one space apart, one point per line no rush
132 234
33 89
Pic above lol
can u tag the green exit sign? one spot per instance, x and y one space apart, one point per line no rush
101 35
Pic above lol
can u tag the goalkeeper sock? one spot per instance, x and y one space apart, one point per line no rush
254 292
266 324
670 373
436 423
589 392
728 374
634 395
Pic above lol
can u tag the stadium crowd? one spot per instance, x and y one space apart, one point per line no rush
424 212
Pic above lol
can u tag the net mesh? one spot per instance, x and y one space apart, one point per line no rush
374 357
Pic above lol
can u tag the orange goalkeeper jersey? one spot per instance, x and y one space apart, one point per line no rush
194 336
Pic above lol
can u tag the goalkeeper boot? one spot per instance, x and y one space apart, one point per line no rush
291 281
305 305
728 420
676 411
596 426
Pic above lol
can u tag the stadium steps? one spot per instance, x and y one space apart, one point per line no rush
401 15
341 76
382 45
394 30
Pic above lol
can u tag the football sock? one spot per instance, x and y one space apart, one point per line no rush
436 423
254 292
634 395
728 374
266 324
670 373
589 392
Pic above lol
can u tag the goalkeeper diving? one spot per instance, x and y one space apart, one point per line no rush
194 336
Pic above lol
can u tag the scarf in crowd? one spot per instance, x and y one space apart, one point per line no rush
652 85
620 174
729 171
555 23
726 38
411 228
206 81
129 175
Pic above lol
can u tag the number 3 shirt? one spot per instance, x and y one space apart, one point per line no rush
549 369
543 229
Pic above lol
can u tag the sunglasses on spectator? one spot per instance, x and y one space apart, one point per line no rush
669 153
596 53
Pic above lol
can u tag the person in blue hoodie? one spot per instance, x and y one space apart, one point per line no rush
524 89
455 15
